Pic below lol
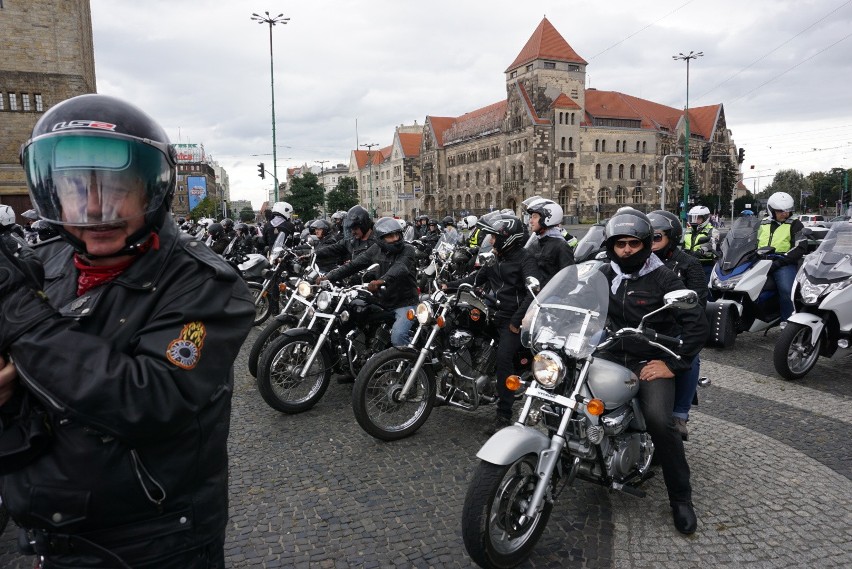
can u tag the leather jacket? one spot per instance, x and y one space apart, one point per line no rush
136 376
396 269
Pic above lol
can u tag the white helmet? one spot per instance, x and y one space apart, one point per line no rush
282 208
7 215
779 201
468 222
205 221
696 212
550 212
529 201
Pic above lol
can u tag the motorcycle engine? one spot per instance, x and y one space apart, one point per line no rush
627 453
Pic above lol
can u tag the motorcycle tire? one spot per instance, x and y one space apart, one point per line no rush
278 374
495 499
266 306
272 330
375 395
793 356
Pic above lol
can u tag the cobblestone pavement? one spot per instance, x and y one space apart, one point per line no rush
771 466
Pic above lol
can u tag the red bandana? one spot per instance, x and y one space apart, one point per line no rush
89 277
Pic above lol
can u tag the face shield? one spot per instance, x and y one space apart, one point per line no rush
88 180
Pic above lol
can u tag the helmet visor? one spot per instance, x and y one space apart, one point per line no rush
88 180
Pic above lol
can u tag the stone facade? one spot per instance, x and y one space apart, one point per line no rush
48 56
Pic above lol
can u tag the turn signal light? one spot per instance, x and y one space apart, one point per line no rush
513 382
410 314
595 407
282 287
440 321
475 315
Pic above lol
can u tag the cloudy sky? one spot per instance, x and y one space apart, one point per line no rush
782 69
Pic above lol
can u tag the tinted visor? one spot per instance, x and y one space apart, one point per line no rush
87 180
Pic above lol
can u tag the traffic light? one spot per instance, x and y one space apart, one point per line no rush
741 156
261 171
705 153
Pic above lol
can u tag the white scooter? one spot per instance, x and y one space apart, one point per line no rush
823 319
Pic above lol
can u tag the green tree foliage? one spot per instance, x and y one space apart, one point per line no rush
205 208
247 214
306 196
790 181
344 195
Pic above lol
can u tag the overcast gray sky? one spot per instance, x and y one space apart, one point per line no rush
782 69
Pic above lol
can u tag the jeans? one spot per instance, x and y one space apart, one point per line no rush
400 333
508 344
686 382
784 278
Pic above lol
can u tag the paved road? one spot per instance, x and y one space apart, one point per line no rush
771 463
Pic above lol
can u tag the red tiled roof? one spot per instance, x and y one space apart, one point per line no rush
611 104
410 143
439 126
702 120
482 120
563 101
382 154
546 43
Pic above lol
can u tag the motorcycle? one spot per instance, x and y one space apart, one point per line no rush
281 262
295 369
823 319
744 297
591 243
396 391
580 419
249 265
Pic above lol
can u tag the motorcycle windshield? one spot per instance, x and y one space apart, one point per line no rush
832 260
444 247
277 247
590 243
570 314
740 242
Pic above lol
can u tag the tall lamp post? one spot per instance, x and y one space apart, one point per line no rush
279 19
322 184
370 170
687 58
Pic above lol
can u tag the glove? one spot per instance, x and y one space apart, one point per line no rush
375 285
23 305
777 264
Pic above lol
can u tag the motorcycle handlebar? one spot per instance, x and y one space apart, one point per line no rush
655 336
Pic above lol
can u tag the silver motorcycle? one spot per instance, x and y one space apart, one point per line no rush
580 419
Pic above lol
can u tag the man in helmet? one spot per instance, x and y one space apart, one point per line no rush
667 234
279 222
30 216
420 226
638 281
553 253
396 274
784 233
432 236
337 224
228 227
506 279
451 234
127 353
698 221
217 240
358 238
8 223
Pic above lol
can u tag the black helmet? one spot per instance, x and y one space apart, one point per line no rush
215 230
423 217
629 222
45 230
99 143
388 226
508 231
180 220
668 223
242 228
227 224
321 224
448 221
358 217
434 222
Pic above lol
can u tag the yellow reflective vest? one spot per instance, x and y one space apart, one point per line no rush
774 234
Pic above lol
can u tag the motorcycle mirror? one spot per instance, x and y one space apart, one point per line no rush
533 284
313 240
681 299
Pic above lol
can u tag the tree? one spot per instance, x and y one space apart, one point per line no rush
728 179
790 181
247 214
306 196
205 208
344 195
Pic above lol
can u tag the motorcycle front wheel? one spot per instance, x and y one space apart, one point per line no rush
794 356
263 307
271 331
278 374
376 395
494 534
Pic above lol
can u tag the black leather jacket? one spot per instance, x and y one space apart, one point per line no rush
136 376
553 255
689 270
345 249
397 270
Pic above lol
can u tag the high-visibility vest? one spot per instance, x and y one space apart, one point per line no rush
781 237
473 240
690 238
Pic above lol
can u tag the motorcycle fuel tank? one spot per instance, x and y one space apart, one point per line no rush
612 383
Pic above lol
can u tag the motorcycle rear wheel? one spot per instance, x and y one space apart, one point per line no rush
793 356
271 331
265 306
493 534
375 395
278 374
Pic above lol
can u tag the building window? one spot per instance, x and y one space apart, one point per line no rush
562 170
476 179
621 171
13 102
644 147
514 173
477 201
525 145
597 145
25 101
549 65
2 101
467 179
571 170
571 143
644 171
560 118
562 144
498 175
637 195
529 67
572 118
633 171
488 177
603 145
513 74
609 171
620 195
521 172
597 171
603 195
637 146
624 146
618 146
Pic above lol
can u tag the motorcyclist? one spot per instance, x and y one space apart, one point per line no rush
451 234
638 281
470 231
8 223
432 236
553 253
667 234
421 226
228 227
698 220
244 243
396 283
216 238
30 216
784 233
506 280
358 238
337 224
279 222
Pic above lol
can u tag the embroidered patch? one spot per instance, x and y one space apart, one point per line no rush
185 351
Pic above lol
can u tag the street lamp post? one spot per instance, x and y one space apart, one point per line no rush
370 173
279 19
687 57
322 184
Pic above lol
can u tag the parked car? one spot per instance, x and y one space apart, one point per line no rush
838 218
812 220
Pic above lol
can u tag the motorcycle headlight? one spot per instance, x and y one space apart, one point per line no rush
811 292
839 285
423 312
304 289
548 369
443 254
324 300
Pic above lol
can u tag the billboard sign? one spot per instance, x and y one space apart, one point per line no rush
189 152
197 189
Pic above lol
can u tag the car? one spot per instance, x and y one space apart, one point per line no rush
838 218
812 220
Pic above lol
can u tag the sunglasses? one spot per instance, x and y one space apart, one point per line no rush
658 237
632 243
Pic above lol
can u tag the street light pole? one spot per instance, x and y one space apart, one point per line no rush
322 183
279 19
687 57
370 170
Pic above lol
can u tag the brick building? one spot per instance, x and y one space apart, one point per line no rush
48 56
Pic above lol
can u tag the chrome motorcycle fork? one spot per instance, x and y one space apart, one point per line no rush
322 337
424 352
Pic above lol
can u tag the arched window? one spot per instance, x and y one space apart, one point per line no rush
521 172
570 143
597 145
467 201
560 118
621 171
458 202
498 176
609 171
564 198
624 146
458 181
467 179
637 195
571 170
572 118
633 171
487 177
499 199
603 196
514 173
620 195
637 146
618 146
644 146
476 178
644 171
562 170
525 145
477 201
603 145
489 201
598 171
562 144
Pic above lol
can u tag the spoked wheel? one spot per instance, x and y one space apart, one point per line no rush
377 398
279 374
264 305
495 530
794 356
271 331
